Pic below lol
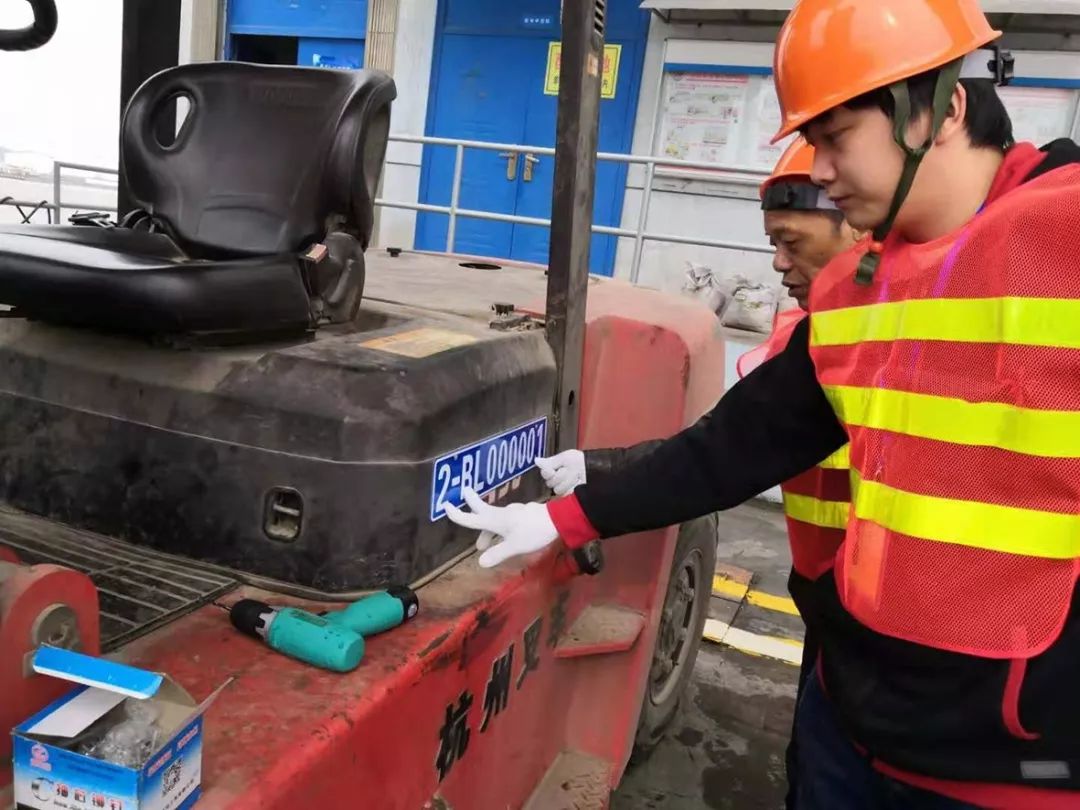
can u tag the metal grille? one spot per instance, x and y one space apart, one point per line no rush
138 589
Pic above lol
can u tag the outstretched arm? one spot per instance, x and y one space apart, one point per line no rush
772 425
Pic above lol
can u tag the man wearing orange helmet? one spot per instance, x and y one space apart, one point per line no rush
946 350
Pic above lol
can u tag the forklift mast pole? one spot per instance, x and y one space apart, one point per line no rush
150 43
572 205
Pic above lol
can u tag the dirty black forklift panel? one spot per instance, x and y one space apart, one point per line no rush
308 462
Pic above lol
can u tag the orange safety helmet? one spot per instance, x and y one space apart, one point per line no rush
796 162
831 51
789 186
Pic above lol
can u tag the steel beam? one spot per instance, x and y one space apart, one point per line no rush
572 204
150 43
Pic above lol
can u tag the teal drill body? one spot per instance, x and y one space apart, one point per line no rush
372 614
315 640
334 640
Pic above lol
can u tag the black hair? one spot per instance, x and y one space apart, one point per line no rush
986 120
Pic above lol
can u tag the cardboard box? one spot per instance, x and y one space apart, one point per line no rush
48 776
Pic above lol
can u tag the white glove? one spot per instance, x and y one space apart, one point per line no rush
564 471
505 531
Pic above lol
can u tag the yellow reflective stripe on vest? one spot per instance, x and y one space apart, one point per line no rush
968 523
1050 434
840 460
827 514
1017 321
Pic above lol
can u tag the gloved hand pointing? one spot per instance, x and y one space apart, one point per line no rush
564 471
505 531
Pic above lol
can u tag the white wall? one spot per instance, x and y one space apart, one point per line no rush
689 207
200 30
691 213
413 49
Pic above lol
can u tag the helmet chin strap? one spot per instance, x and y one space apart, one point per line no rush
947 80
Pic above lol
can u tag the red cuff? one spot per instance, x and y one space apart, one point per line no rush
571 522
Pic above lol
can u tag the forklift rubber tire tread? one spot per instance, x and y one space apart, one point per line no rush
698 536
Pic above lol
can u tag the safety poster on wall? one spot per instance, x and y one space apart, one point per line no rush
1040 114
720 118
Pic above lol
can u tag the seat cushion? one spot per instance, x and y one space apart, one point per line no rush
121 280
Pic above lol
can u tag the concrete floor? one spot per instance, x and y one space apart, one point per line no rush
725 749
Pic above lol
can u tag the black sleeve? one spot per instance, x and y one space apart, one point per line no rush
599 463
770 426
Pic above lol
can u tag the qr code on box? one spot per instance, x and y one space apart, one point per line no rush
171 777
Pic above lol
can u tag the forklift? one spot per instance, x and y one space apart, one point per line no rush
230 394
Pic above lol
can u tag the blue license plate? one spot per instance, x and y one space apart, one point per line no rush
486 465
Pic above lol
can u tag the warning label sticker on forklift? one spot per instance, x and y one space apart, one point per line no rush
486 465
418 343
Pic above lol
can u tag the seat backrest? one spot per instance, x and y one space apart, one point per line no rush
267 159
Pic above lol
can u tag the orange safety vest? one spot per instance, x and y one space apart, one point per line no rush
816 502
957 376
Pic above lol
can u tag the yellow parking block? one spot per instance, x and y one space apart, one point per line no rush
727 588
781 649
736 591
781 604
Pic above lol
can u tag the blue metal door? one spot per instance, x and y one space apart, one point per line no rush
488 82
531 242
482 97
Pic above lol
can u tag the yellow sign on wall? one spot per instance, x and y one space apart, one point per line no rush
609 77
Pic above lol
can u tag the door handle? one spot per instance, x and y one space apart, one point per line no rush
511 164
530 161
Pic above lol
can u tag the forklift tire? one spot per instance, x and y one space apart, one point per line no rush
686 606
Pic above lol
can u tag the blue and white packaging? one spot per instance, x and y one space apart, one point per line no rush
47 775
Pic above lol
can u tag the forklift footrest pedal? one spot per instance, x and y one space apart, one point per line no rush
601 629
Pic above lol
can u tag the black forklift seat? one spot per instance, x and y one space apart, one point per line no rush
254 220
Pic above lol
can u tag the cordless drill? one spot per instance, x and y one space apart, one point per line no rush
332 640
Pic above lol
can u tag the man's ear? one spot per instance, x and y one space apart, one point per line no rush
954 118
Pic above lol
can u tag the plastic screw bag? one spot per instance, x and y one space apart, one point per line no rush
131 741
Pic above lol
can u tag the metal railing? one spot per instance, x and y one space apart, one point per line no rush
52 210
34 207
729 174
58 168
